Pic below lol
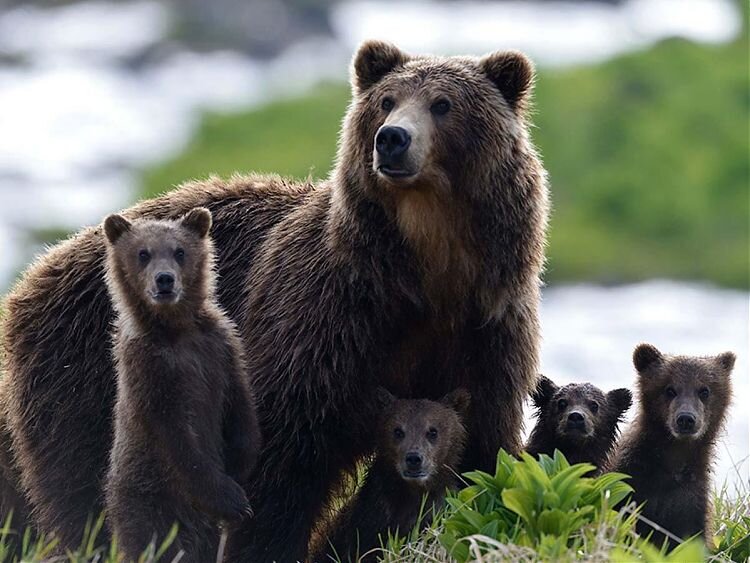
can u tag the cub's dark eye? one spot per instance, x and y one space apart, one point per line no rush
387 104
432 433
671 393
398 433
144 256
562 404
594 406
179 255
703 393
441 107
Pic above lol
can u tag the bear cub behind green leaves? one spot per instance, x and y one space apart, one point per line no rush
578 419
186 434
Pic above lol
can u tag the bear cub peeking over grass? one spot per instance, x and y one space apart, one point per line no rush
186 435
419 446
669 448
578 419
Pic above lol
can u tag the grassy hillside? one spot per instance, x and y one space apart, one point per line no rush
647 154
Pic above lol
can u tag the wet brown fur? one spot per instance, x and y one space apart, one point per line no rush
671 474
186 434
601 421
388 504
332 297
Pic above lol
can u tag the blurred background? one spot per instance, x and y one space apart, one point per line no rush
641 116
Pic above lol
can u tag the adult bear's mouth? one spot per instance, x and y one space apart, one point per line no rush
395 172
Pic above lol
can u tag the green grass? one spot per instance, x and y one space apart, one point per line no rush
647 154
527 511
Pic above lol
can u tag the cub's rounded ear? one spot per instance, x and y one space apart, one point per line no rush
645 356
197 220
512 73
726 361
545 390
115 226
384 397
459 400
373 60
620 399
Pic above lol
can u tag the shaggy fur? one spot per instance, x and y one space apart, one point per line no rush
392 501
61 381
577 419
335 295
670 467
185 427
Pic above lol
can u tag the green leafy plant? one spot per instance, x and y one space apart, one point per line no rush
542 504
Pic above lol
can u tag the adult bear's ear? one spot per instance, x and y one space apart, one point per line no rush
459 400
115 226
384 397
375 59
620 399
198 220
726 361
646 356
513 74
544 391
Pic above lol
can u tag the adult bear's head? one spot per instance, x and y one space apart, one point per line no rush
432 123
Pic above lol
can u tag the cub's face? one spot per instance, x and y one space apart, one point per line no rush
159 261
422 438
687 395
579 412
425 120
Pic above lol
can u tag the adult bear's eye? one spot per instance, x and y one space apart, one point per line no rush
562 404
594 406
671 393
432 434
703 393
398 433
144 256
179 255
441 107
387 104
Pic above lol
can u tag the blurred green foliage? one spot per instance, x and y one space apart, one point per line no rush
648 158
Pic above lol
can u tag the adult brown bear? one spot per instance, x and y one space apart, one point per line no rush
415 266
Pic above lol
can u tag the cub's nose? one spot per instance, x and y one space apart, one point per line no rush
686 423
164 282
413 460
392 142
575 420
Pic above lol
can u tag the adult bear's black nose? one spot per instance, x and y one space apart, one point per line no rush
575 420
164 282
686 423
392 142
413 460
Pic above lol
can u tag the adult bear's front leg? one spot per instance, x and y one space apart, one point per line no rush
289 494
503 371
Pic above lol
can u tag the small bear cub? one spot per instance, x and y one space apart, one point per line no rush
419 448
669 448
186 433
578 419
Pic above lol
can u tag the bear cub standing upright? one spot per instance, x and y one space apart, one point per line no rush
186 434
669 448
578 419
419 446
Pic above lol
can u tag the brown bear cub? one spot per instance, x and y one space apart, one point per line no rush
669 448
186 435
419 446
578 419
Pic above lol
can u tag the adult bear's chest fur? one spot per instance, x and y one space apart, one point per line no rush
428 359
